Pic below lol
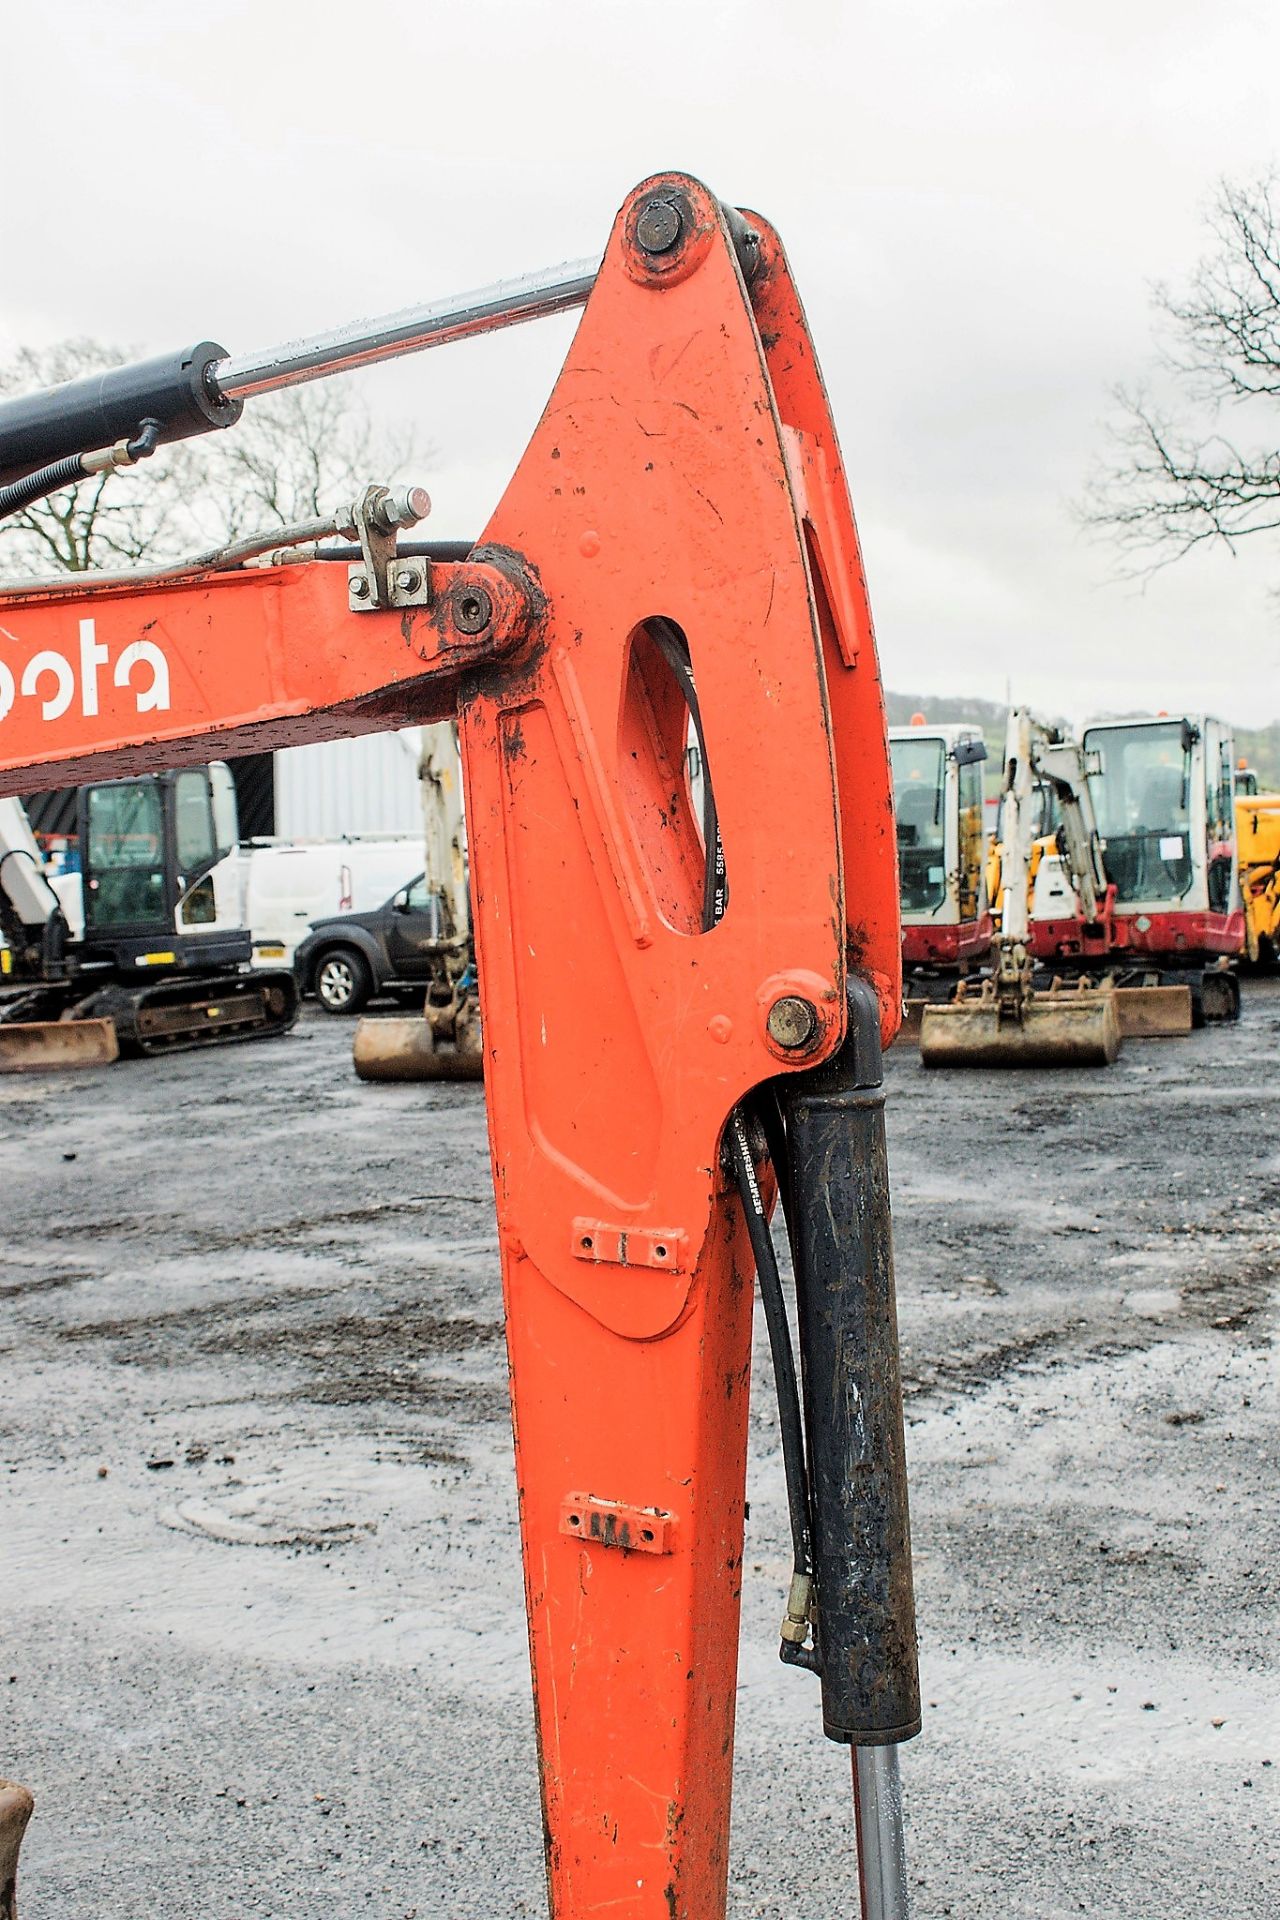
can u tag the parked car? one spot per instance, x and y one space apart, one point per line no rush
290 887
347 959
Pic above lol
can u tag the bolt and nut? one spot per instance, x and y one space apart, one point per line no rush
658 226
472 609
792 1022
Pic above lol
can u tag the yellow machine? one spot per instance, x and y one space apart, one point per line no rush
1258 835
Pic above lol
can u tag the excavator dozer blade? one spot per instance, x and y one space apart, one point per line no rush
39 1046
411 1049
1154 1013
1055 1030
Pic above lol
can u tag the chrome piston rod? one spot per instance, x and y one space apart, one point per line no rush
882 1854
505 304
203 387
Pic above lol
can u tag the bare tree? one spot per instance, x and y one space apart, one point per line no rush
293 455
1177 478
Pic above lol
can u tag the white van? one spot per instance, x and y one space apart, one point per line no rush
287 887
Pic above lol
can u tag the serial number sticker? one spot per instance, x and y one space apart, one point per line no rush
1172 846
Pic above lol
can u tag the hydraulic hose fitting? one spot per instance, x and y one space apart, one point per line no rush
795 1626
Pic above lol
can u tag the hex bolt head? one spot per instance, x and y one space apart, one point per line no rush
792 1022
658 226
472 609
408 579
359 587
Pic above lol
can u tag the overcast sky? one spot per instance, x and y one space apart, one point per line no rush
976 196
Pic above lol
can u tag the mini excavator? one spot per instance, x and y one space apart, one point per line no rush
685 989
158 961
1010 1021
1175 925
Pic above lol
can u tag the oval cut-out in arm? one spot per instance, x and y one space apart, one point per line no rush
665 782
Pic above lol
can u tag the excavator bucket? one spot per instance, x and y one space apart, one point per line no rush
423 1048
16 1805
38 1046
1078 1028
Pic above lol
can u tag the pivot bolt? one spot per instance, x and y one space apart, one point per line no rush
792 1022
658 226
472 610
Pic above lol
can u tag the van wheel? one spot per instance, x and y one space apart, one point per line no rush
343 981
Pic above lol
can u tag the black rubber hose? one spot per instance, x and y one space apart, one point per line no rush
442 550
790 1423
20 494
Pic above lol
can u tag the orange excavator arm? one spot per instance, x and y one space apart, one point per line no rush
685 986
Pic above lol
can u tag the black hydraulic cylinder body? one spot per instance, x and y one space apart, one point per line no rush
842 1251
82 415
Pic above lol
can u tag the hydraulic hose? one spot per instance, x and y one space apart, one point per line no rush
44 481
75 467
790 1422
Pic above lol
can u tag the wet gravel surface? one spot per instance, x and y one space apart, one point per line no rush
261 1631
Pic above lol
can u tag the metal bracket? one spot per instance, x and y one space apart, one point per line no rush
629 1246
610 1523
380 581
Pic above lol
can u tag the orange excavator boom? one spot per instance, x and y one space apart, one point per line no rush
685 987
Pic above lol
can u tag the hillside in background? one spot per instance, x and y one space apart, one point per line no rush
1260 746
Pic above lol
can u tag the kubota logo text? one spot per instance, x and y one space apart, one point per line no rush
49 677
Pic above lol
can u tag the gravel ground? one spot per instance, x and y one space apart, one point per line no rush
257 1473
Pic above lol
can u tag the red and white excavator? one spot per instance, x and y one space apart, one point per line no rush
685 992
1172 917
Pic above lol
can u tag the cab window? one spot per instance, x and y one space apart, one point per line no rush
125 880
1142 797
919 793
193 823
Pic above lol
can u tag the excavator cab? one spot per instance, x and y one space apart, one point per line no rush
1164 791
938 806
150 853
